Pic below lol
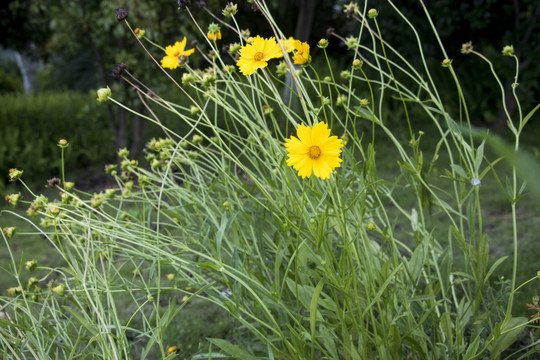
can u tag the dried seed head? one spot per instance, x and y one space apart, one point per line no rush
467 48
121 14
53 182
183 4
118 70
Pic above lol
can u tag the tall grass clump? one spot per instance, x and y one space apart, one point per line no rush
269 212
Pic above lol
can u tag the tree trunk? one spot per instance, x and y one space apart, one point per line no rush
306 13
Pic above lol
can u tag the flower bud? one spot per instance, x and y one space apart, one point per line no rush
370 226
323 43
69 185
341 100
14 291
139 33
97 200
364 102
9 231
111 169
372 13
59 290
197 139
54 211
327 79
103 94
170 277
214 32
350 9
357 63
508 50
188 79
226 205
351 42
123 152
345 74
446 63
110 193
267 110
150 298
234 48
15 174
13 199
230 10
467 48
30 265
63 143
32 282
282 69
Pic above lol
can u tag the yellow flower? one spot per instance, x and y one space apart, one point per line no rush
302 52
171 350
288 44
174 52
314 151
214 35
255 55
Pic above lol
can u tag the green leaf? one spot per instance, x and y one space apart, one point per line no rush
505 339
529 115
313 306
233 350
446 326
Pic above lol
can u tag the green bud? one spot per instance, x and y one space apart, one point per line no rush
124 153
103 94
9 231
508 50
15 174
372 13
59 290
30 265
230 10
323 43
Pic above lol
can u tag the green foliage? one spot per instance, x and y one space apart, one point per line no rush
357 266
33 124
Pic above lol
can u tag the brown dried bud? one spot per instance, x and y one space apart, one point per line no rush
201 4
330 31
183 4
118 70
194 43
121 14
53 182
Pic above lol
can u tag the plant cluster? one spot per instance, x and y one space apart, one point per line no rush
270 209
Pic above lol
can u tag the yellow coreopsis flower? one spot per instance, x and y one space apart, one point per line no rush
314 151
214 35
288 44
174 52
301 56
214 32
256 54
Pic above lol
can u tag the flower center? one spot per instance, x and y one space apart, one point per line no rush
258 56
176 53
314 152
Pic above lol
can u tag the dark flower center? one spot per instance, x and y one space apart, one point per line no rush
314 152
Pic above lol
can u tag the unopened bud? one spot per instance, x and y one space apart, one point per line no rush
103 94
372 13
